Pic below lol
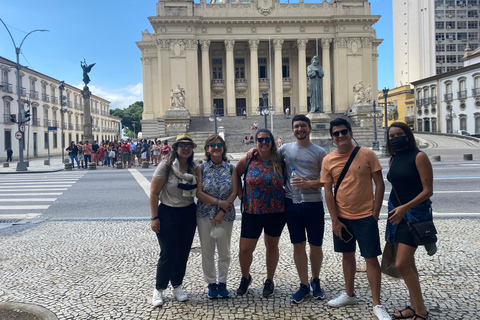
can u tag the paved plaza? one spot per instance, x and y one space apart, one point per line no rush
106 270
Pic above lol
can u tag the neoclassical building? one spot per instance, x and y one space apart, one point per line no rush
228 53
40 94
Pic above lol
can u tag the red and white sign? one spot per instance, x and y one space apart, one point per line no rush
22 128
18 135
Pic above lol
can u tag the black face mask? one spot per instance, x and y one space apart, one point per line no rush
399 143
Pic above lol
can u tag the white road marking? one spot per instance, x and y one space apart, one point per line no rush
23 190
19 216
30 194
456 191
36 182
30 200
142 181
25 207
35 186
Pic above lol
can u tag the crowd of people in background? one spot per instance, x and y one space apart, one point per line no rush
126 151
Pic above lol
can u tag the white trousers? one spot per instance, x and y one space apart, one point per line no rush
208 245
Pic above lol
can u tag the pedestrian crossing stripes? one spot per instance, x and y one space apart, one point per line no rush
29 196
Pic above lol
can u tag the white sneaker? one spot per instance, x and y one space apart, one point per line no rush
179 294
157 299
342 300
381 312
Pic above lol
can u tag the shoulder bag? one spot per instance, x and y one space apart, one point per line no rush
344 171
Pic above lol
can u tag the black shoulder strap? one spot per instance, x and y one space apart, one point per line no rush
245 172
344 171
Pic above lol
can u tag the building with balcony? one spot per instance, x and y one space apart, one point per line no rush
450 101
42 98
430 36
227 53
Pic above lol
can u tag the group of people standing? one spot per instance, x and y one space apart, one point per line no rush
107 153
282 186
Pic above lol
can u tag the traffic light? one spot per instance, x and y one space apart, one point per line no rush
26 115
13 118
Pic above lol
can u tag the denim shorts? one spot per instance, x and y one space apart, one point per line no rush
253 224
306 216
365 231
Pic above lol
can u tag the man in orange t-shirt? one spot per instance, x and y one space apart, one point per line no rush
354 211
87 153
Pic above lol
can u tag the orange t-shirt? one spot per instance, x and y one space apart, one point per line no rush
355 197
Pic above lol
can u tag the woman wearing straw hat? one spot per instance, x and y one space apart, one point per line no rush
174 220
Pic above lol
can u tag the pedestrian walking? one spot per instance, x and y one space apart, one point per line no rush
9 154
157 148
174 220
216 192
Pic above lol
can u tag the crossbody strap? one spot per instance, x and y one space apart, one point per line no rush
344 171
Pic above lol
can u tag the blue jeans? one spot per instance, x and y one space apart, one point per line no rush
74 157
107 159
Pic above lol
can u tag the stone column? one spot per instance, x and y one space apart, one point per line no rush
341 89
326 94
206 91
230 74
87 119
191 76
254 76
147 89
302 76
278 83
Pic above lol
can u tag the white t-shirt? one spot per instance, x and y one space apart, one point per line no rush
171 195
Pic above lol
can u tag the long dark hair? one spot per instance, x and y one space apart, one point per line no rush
274 156
174 155
412 143
211 140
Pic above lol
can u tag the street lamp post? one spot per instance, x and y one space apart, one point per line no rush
61 87
21 165
375 144
134 131
449 117
264 109
385 96
215 117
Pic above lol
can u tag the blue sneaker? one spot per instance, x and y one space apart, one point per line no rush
222 290
212 291
303 292
316 289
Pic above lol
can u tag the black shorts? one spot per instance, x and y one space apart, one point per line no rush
365 231
253 224
306 216
404 235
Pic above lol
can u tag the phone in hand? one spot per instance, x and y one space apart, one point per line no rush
346 235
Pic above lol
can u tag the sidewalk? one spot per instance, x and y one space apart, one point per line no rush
106 270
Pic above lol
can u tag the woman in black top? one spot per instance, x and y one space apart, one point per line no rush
73 153
411 176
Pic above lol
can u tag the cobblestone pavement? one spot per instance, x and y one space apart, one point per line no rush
106 270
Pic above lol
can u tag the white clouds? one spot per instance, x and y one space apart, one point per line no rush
119 98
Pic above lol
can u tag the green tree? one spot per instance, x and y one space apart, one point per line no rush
129 116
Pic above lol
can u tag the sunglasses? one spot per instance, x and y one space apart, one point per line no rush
216 145
344 132
185 145
267 139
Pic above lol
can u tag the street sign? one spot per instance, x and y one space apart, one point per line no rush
22 128
18 135
52 128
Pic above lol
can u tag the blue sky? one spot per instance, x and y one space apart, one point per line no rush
104 32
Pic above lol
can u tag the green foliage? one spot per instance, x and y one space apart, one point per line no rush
130 115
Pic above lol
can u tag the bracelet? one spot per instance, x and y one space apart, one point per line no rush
216 202
155 218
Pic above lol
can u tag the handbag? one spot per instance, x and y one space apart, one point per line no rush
389 256
423 232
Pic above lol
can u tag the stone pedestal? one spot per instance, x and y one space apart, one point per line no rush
320 129
359 114
177 120
87 119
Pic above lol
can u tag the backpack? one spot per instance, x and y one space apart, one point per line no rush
247 164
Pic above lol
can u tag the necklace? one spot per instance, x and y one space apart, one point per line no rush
216 163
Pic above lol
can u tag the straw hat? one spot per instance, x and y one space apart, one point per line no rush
184 137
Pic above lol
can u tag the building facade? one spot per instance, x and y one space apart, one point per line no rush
228 53
400 105
430 36
41 95
450 102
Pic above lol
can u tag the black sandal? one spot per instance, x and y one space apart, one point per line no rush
417 317
402 311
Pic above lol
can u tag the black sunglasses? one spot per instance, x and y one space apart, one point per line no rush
344 132
216 145
267 139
